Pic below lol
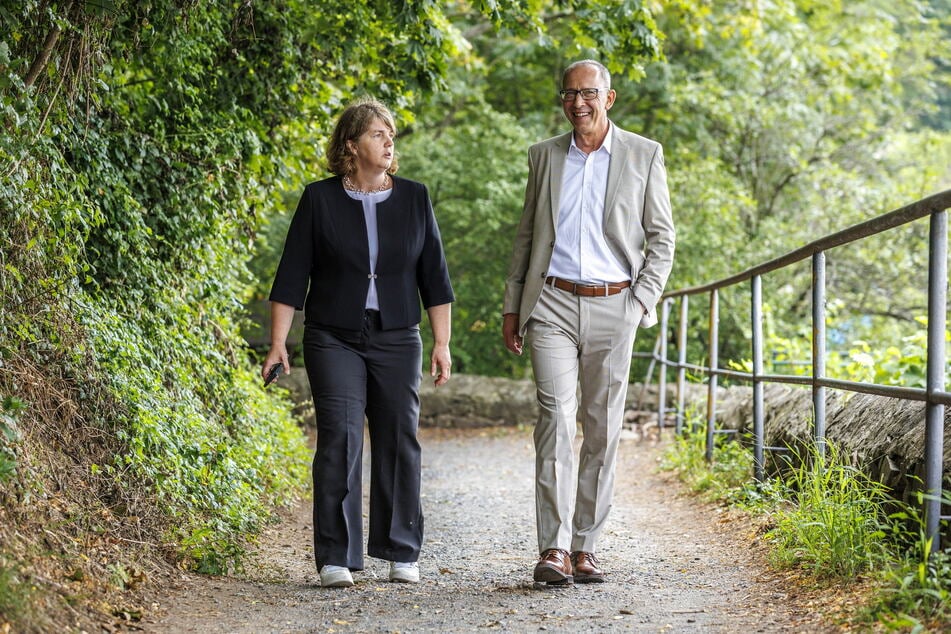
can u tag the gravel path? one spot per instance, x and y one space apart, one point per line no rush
673 565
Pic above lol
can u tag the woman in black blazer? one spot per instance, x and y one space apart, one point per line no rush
361 253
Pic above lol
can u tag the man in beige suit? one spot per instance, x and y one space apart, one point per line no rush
592 254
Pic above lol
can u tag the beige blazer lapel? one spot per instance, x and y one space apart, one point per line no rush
557 155
619 159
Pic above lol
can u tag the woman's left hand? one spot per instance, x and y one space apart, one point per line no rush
440 364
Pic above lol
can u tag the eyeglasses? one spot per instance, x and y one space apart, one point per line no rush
588 94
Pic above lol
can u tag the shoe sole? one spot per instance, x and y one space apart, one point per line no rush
589 579
554 585
402 580
551 575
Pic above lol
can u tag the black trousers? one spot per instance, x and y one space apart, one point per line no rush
373 373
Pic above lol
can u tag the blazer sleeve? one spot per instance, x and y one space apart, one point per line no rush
432 273
293 272
522 248
659 235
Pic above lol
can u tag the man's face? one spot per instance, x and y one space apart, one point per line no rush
587 116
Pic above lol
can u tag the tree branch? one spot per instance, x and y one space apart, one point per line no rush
44 57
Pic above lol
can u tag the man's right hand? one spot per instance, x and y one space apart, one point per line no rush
513 341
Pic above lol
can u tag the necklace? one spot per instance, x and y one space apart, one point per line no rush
351 186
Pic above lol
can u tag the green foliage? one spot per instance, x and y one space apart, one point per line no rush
916 593
861 361
903 364
215 449
137 257
919 592
14 592
832 520
786 121
476 185
729 471
9 437
829 519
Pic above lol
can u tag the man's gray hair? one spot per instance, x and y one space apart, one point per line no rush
602 71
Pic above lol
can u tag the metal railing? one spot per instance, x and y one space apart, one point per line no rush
934 394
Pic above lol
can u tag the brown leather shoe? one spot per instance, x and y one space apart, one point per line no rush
554 566
586 567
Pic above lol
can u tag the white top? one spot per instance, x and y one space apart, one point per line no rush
581 253
370 202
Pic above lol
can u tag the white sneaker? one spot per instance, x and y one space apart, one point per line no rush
335 577
404 572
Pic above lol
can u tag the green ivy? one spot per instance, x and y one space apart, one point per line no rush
9 436
144 146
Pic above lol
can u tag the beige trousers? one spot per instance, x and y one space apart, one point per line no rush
591 339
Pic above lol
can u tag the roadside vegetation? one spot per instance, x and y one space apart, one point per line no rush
152 152
821 516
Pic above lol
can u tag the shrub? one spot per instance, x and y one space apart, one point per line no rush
833 524
730 470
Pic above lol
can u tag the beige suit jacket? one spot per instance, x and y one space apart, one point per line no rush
638 224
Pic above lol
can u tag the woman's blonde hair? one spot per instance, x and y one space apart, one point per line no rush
353 122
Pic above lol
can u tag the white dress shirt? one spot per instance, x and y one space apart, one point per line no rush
581 253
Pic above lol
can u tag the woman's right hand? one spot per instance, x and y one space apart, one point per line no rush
276 355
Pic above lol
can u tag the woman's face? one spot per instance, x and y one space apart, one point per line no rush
373 150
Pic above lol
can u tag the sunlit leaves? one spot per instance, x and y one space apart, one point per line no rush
476 181
787 120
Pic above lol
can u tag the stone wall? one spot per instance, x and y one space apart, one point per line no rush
479 401
882 436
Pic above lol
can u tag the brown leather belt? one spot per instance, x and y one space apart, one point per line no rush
587 290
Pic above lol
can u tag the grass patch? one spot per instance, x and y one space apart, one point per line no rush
729 472
915 593
826 518
830 519
14 594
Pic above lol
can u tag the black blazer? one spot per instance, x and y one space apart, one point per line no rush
327 248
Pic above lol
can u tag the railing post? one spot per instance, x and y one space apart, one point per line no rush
662 377
819 348
681 361
712 381
756 313
934 413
